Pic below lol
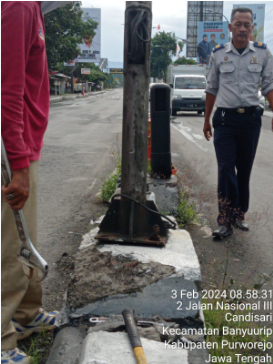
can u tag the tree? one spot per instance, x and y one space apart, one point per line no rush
163 47
64 31
184 60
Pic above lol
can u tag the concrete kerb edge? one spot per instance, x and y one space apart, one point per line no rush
56 100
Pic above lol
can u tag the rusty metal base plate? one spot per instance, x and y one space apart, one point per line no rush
110 227
111 238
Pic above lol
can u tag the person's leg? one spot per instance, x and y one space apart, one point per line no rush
247 146
14 281
225 148
32 300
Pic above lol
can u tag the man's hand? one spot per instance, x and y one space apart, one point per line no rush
18 187
207 130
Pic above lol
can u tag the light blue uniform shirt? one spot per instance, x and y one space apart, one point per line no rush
234 78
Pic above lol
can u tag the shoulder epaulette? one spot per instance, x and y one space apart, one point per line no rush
260 45
219 46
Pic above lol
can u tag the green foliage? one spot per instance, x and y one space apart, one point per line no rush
162 47
186 212
96 75
37 346
184 60
215 318
64 31
109 185
110 82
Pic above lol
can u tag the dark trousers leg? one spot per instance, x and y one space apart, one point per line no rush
225 143
235 140
246 150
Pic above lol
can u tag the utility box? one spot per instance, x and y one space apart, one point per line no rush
160 131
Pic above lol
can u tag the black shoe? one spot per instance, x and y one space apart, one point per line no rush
222 232
241 224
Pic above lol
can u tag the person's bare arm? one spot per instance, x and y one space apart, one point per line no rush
210 101
270 99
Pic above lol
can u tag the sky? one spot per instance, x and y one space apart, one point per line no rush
171 15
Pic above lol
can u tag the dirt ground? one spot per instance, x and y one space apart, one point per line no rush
94 270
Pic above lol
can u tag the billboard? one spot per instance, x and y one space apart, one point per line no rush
85 71
210 33
200 11
91 48
116 70
258 20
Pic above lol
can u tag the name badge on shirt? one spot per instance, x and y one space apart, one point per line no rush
254 60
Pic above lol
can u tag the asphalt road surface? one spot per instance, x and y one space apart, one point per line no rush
79 147
187 132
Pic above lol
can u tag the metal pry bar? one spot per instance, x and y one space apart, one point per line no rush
27 254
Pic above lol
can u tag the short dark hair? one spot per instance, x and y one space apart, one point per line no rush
241 10
212 35
205 35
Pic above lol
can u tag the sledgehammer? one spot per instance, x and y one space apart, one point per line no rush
27 254
131 328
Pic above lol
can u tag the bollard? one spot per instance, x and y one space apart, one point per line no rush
160 131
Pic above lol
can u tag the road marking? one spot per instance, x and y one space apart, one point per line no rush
185 131
93 184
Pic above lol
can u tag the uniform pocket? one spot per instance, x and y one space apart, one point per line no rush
227 73
254 73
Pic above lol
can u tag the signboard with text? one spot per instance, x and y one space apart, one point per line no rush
258 20
70 64
91 47
85 71
210 34
116 70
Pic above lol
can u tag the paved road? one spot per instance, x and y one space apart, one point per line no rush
188 141
77 155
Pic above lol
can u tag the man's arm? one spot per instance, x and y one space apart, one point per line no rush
267 79
211 91
15 51
270 99
210 100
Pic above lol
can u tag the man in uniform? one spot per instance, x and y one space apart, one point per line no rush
235 70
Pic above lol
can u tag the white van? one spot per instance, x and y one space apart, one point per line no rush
188 93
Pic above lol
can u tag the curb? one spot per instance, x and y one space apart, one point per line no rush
57 100
66 347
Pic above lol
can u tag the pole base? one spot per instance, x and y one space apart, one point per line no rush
155 230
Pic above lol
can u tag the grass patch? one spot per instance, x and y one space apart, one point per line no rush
186 211
109 185
37 346
216 319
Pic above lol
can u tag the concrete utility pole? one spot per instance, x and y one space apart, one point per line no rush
132 219
137 54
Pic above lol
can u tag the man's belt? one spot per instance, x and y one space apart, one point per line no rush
239 110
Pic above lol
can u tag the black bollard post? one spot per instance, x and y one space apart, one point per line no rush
160 131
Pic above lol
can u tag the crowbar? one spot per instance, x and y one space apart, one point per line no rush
131 328
27 254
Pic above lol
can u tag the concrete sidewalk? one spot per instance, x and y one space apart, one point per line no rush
57 99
